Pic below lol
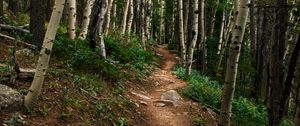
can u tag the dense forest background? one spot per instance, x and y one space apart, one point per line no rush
240 58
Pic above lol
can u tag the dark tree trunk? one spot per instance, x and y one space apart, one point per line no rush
37 21
49 8
275 108
1 10
290 76
14 6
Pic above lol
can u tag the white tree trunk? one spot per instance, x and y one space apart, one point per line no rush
142 25
129 24
71 18
114 15
147 22
190 54
44 57
232 63
100 28
161 24
108 18
125 13
86 18
181 33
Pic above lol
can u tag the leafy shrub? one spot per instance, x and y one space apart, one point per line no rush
125 56
208 92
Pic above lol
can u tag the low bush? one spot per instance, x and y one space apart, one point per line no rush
125 56
208 92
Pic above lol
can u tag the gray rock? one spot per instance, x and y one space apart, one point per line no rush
10 100
171 96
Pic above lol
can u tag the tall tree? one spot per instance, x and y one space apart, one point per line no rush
191 48
232 62
44 57
275 108
131 13
181 33
108 16
97 38
86 18
71 18
125 13
37 22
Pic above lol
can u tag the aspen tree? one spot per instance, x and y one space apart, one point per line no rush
108 18
44 57
129 24
142 20
161 24
232 62
86 18
114 14
125 13
71 18
186 19
181 33
100 23
202 44
190 54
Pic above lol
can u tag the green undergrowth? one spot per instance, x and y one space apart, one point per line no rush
208 92
125 57
83 88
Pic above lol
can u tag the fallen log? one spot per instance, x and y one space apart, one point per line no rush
14 28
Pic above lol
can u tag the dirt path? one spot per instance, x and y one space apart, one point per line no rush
165 113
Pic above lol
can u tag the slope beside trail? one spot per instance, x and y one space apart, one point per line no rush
163 113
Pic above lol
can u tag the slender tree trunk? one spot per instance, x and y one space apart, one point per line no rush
1 10
142 21
186 19
232 63
202 44
114 14
275 109
71 18
37 22
129 24
190 54
44 57
221 36
181 33
86 18
108 18
227 32
100 41
125 13
161 24
213 21
297 102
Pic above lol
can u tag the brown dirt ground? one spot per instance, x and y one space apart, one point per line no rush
158 82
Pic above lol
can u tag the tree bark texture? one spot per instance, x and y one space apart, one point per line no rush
232 63
44 57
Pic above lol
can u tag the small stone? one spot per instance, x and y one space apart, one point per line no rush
160 104
143 103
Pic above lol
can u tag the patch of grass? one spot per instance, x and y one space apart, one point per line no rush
208 92
200 121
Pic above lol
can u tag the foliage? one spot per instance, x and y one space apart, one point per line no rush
208 92
126 57
200 121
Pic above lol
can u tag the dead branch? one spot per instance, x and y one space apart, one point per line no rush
96 98
23 43
14 28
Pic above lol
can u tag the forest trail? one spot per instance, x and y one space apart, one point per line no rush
159 112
